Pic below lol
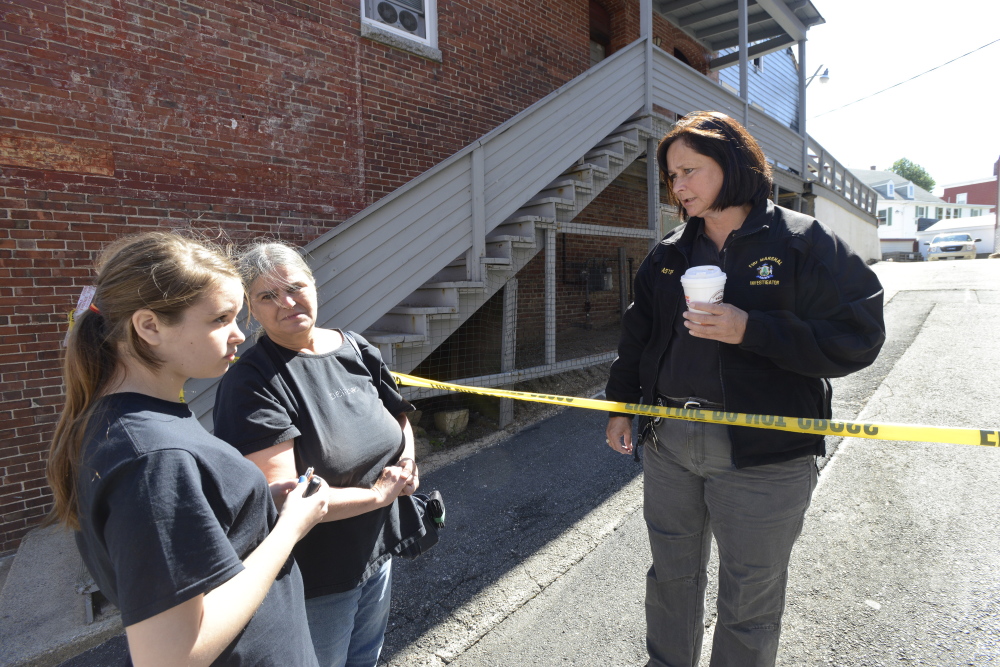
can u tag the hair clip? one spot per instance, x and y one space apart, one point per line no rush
93 308
86 300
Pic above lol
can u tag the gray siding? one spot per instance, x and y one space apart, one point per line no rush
776 88
683 90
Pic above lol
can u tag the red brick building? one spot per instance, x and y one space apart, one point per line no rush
983 191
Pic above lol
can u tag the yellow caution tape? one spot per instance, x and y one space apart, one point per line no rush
869 430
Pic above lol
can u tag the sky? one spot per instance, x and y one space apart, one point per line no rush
947 121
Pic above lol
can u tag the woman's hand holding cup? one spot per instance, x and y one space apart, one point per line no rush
716 321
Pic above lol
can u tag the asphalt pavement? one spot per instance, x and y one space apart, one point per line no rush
898 558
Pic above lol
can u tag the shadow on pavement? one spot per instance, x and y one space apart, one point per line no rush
504 504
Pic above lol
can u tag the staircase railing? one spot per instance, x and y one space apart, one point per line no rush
822 168
363 270
372 261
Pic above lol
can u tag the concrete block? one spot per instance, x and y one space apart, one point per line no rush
43 617
451 422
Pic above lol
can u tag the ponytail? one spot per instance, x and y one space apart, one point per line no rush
88 366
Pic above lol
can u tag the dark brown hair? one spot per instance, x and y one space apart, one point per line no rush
165 273
745 172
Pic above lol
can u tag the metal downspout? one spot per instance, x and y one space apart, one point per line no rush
744 62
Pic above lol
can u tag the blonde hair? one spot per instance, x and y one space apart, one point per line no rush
162 272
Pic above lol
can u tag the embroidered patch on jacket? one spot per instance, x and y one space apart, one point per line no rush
667 271
766 270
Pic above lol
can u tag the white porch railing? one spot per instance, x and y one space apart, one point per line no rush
825 170
682 90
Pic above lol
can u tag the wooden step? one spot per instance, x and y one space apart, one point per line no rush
605 158
423 310
376 337
618 144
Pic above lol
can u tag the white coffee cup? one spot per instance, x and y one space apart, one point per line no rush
704 284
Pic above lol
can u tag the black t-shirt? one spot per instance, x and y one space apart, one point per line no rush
341 412
691 365
167 512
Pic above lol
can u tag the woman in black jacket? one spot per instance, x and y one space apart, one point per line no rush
799 307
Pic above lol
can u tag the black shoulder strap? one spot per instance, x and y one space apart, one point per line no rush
354 343
373 374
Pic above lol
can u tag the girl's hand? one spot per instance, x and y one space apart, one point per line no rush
302 512
389 484
409 467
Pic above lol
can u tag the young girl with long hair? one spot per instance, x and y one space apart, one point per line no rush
178 530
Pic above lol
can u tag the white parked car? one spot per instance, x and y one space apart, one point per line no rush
952 246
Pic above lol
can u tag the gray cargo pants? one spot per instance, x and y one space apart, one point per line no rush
692 491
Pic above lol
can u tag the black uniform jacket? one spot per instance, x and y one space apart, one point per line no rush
815 312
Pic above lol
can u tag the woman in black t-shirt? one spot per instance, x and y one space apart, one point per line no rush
306 396
179 531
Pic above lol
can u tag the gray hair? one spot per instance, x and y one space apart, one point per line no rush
262 258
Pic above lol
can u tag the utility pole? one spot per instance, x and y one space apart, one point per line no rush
996 209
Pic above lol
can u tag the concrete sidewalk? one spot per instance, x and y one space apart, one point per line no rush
43 613
899 560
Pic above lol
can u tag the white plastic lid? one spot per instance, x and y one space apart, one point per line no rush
706 272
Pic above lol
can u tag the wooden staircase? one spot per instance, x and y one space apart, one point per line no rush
410 268
411 330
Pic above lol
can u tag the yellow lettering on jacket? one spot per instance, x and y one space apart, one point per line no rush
765 259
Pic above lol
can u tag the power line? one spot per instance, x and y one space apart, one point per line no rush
908 80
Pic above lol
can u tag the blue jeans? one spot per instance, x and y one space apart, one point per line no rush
692 490
348 628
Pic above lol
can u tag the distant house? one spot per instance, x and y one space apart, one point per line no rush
981 191
904 209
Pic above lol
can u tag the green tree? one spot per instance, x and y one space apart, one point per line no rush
912 171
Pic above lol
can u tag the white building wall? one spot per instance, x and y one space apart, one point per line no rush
904 219
848 223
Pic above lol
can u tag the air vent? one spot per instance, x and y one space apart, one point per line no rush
407 16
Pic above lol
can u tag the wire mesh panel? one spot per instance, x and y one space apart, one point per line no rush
504 341
559 311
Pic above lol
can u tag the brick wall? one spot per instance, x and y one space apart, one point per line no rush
232 119
625 30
